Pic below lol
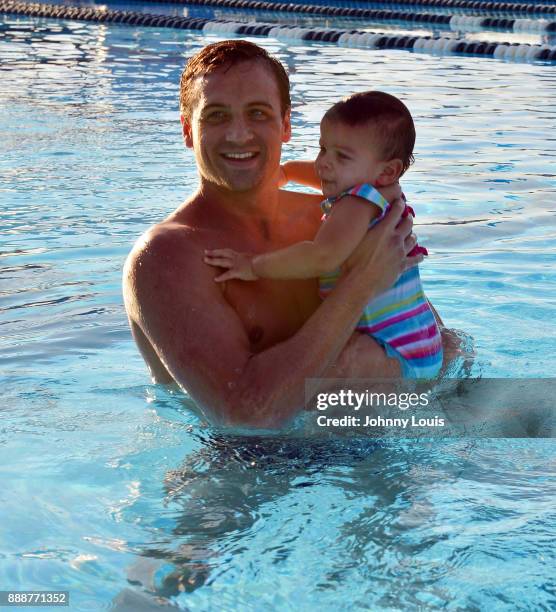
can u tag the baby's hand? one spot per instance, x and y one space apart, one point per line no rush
238 264
392 192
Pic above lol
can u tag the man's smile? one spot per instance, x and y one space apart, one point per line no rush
241 159
247 155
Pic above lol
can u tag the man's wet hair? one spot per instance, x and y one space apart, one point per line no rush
222 56
388 117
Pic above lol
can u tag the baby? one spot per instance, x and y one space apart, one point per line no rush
366 144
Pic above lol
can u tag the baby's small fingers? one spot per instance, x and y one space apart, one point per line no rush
220 262
219 252
225 276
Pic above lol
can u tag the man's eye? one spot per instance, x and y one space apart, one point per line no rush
215 116
257 113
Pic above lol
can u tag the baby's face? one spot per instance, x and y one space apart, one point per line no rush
347 156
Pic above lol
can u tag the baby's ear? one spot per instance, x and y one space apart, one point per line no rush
391 172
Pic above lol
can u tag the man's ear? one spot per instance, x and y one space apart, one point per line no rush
287 126
390 173
186 131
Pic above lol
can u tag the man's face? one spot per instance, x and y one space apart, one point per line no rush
236 128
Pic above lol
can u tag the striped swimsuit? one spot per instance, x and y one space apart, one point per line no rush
400 319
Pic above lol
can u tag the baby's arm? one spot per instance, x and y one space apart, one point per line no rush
305 173
336 239
302 172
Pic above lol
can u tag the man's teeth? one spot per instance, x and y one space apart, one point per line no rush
239 155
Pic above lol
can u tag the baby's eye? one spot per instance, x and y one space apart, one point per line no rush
343 156
322 150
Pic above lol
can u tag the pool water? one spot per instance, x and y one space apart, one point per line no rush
115 491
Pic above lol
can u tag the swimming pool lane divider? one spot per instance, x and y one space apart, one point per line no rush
455 22
344 38
524 7
343 11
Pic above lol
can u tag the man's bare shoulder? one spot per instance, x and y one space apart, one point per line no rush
296 198
169 243
297 204
168 255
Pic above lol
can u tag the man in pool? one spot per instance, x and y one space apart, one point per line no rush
244 350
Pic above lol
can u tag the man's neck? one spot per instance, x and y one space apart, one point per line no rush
252 211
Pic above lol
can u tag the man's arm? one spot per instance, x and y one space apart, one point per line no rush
171 296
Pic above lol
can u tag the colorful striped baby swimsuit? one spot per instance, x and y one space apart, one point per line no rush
400 319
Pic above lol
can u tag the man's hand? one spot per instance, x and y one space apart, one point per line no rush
238 265
383 254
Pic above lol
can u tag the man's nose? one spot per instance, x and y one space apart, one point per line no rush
239 131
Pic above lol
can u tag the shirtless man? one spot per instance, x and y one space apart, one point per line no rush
244 350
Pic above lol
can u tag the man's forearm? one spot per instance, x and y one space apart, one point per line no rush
271 388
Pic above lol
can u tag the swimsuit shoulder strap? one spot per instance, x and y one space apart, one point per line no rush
363 190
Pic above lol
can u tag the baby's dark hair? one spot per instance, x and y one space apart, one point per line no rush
389 118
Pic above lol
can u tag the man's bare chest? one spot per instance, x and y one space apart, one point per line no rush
272 310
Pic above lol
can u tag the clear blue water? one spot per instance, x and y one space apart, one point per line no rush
113 490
